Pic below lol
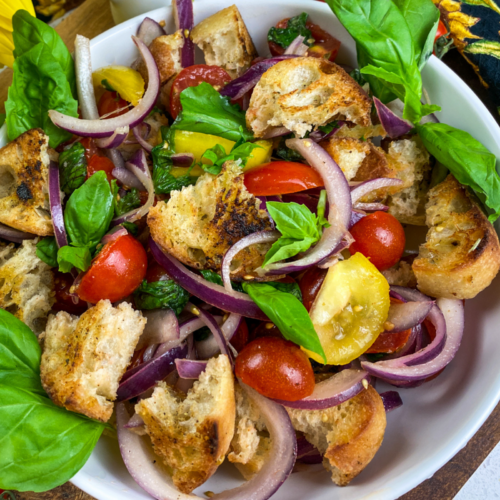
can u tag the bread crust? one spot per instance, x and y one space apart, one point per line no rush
303 92
84 358
461 255
192 434
24 199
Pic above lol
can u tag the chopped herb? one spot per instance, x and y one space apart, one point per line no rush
296 26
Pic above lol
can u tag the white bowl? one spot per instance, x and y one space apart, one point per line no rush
437 419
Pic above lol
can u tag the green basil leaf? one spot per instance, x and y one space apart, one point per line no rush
165 294
20 356
287 313
69 257
89 211
284 248
128 202
321 210
2 119
107 85
467 159
72 168
295 27
29 31
46 250
204 110
217 155
132 228
213 277
287 154
39 85
43 446
292 288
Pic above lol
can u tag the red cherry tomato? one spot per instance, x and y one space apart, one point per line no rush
266 329
442 30
310 284
325 45
98 163
116 272
90 147
281 177
64 298
156 273
276 368
192 77
111 102
240 338
379 237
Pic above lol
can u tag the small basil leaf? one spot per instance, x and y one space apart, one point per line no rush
296 26
132 228
72 168
128 202
285 153
292 288
46 250
69 257
213 277
161 295
288 314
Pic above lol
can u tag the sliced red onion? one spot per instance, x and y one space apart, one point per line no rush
304 447
56 209
148 30
318 136
356 215
251 239
273 132
392 123
14 235
406 316
247 81
84 84
127 178
138 165
412 345
333 391
195 323
149 353
190 368
211 293
104 128
408 294
339 197
208 348
116 157
314 457
145 144
391 400
162 326
368 186
297 47
115 140
134 422
140 459
145 376
184 20
371 207
182 159
114 234
416 366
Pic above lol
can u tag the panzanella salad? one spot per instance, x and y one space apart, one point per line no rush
210 259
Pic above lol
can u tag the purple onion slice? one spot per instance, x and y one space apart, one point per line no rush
56 209
318 136
392 123
127 178
104 128
184 20
162 326
368 186
209 347
148 30
189 368
84 84
391 400
405 316
182 159
115 140
371 207
114 234
409 294
273 132
297 47
140 139
14 235
333 391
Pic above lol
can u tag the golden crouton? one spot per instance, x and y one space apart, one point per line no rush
347 435
461 255
303 92
24 198
225 41
192 434
84 358
166 51
26 285
201 222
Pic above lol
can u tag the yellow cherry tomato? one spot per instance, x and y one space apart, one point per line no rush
350 310
126 81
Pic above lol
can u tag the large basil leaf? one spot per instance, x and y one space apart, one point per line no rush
46 250
43 446
165 294
73 168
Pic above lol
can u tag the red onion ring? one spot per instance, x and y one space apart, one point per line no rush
318 136
145 144
114 234
162 326
371 207
115 140
14 235
189 368
84 84
408 315
182 159
127 178
339 197
412 345
391 400
56 209
297 47
211 293
134 422
184 20
333 391
208 348
148 30
405 293
273 132
392 123
104 128
251 239
368 186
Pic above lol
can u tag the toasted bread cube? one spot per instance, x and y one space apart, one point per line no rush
347 435
225 41
201 222
192 434
26 285
24 196
461 255
303 92
84 358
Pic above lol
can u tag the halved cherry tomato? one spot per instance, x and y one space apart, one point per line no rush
90 147
310 285
379 237
98 163
442 30
325 45
240 339
111 102
276 368
192 77
64 298
281 177
156 273
116 272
